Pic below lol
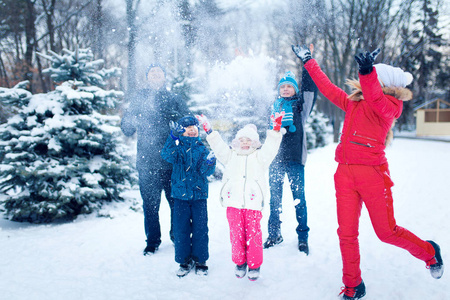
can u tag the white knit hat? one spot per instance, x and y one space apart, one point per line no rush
249 131
391 76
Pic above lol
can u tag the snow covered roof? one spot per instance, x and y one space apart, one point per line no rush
439 102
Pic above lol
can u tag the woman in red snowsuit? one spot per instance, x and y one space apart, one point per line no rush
363 174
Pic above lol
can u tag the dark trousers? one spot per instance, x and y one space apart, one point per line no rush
190 226
296 175
151 185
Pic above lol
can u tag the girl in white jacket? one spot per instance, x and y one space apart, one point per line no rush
244 190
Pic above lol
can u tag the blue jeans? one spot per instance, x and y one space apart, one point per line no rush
190 227
151 185
296 175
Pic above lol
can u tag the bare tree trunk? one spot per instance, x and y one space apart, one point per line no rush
3 73
132 8
44 87
99 41
30 36
49 10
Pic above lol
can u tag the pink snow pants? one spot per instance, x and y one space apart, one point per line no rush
354 185
245 236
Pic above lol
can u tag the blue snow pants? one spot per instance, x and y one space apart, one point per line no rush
190 227
151 185
296 175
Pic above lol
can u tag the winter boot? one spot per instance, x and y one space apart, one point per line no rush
201 269
353 293
272 242
240 270
436 265
303 247
150 250
253 274
185 268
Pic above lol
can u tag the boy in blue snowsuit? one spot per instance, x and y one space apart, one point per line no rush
191 164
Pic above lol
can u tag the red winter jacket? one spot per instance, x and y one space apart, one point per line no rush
367 119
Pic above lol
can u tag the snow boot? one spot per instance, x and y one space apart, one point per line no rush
185 268
201 269
150 250
272 242
253 274
436 265
240 270
303 247
353 293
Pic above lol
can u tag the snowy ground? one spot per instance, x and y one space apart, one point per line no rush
101 258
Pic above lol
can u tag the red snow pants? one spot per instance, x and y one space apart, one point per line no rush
354 185
245 236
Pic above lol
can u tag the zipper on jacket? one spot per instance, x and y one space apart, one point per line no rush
245 181
360 144
189 152
364 137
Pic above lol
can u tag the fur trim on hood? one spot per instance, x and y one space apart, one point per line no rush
400 93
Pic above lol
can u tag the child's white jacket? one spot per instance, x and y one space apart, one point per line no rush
245 179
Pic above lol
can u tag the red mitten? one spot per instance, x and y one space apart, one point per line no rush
202 119
276 120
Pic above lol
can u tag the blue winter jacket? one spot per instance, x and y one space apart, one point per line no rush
189 167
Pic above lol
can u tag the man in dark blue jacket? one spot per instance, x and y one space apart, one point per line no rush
148 115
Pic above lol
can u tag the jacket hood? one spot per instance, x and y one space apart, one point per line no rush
400 93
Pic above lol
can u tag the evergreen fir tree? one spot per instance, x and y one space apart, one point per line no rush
425 47
420 54
317 130
60 156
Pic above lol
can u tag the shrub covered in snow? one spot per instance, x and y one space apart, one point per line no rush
60 156
317 130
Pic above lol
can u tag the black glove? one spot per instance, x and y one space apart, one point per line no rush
366 60
302 52
176 130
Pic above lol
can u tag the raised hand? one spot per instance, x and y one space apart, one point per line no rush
276 120
366 60
176 130
211 158
302 52
202 119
